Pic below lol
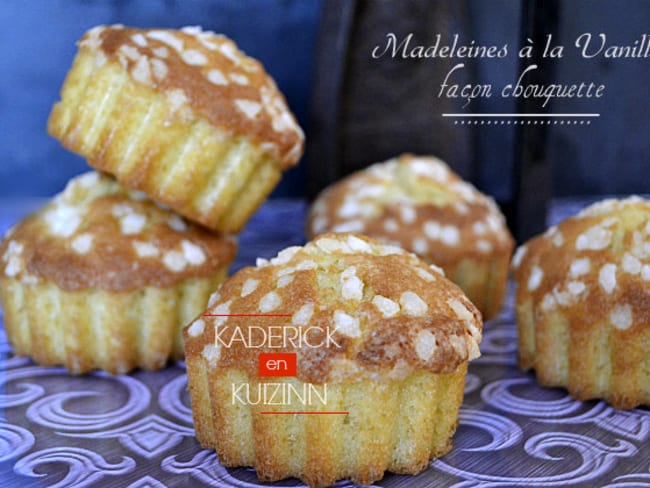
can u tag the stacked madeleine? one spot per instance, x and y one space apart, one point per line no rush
104 278
181 115
190 135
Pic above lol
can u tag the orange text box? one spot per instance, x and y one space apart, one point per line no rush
277 364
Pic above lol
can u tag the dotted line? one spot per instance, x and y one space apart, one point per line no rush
522 122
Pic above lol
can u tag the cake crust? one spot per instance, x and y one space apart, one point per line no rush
181 115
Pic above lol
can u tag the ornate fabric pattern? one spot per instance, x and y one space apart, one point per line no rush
136 430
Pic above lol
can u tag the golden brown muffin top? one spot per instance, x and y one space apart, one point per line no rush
595 265
415 202
364 309
207 72
97 234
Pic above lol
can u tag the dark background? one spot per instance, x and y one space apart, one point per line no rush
37 45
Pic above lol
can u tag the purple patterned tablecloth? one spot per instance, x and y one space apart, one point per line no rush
136 430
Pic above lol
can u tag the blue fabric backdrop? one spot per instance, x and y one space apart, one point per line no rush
37 46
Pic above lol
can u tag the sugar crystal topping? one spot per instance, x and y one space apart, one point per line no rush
206 72
112 238
603 255
373 299
415 202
